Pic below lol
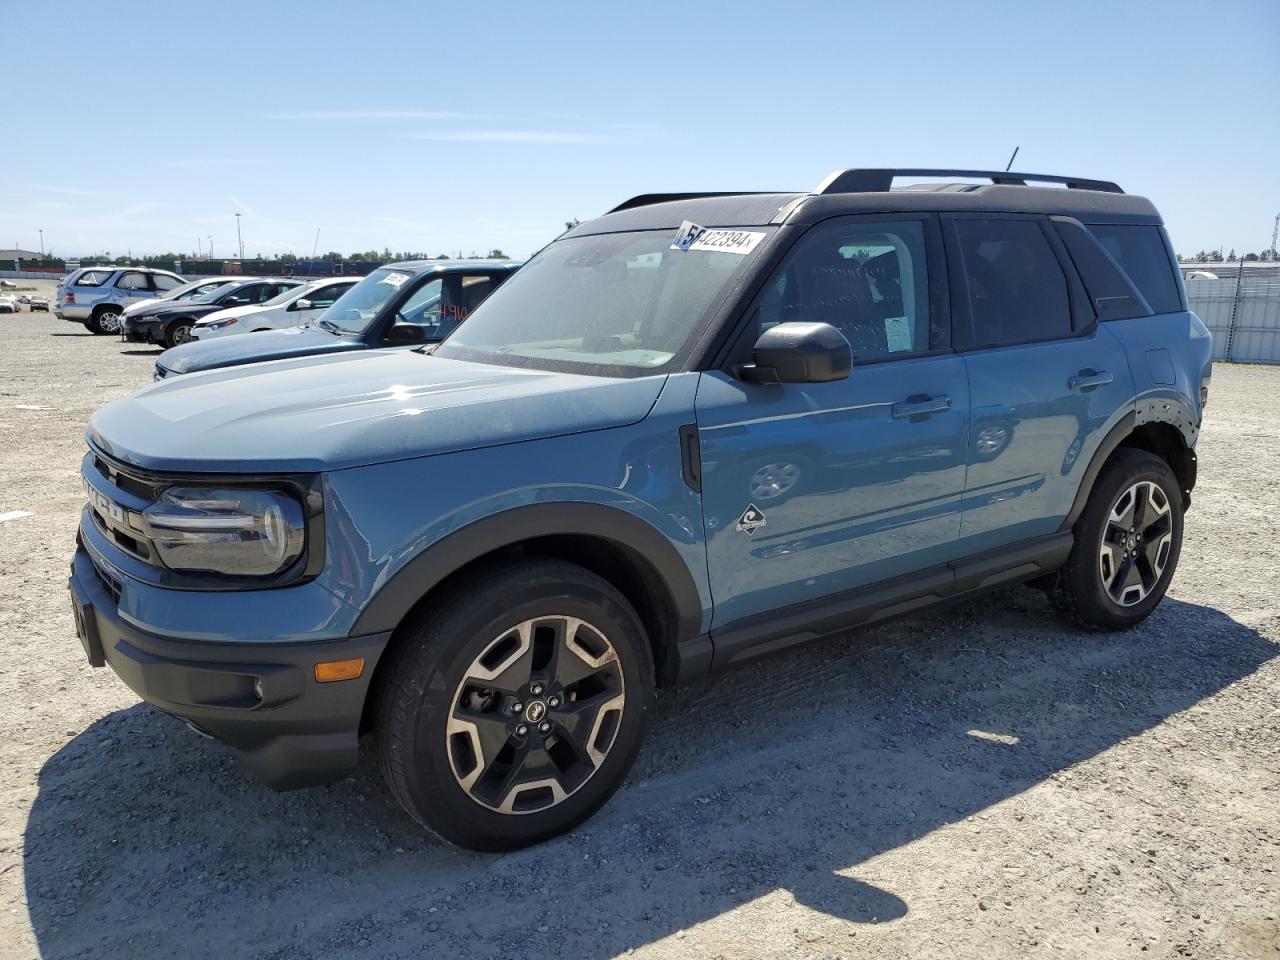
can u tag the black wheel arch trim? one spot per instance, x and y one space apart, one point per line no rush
520 524
1115 436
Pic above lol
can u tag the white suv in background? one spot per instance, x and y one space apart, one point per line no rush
292 308
97 296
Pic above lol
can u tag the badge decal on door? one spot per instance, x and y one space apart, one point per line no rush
752 519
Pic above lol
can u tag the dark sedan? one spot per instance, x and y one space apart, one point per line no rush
170 323
401 304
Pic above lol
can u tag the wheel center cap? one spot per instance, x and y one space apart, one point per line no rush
1130 542
535 710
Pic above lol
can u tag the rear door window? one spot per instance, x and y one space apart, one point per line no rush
1141 253
132 280
1017 291
164 283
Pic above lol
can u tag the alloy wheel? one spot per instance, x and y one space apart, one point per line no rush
182 334
109 321
1136 541
535 715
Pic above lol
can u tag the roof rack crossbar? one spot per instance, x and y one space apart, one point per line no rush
880 180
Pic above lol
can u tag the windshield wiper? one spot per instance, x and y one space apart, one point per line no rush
329 325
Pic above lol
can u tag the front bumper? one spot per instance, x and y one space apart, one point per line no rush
144 330
261 699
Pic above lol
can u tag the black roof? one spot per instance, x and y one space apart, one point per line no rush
450 266
871 191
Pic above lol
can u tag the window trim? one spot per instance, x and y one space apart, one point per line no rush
740 344
1080 311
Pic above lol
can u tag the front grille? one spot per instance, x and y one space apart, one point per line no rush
161 372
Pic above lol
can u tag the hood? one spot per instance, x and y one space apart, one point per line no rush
351 409
266 345
231 312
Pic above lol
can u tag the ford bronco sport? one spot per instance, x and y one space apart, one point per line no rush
697 429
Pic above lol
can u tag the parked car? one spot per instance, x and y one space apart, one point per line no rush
171 325
24 298
188 291
8 303
401 304
98 296
488 556
294 307
38 305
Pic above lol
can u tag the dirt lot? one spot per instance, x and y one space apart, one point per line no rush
983 782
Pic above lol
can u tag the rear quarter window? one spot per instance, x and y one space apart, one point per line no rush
1140 250
94 278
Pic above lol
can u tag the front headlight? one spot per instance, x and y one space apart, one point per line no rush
253 533
216 324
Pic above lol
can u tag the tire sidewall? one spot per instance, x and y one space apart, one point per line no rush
171 335
1087 582
454 643
96 326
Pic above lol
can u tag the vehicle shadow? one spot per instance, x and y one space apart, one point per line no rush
142 353
146 841
85 334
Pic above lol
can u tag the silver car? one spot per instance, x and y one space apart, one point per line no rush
97 296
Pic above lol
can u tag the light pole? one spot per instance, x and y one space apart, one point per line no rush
211 246
41 232
239 240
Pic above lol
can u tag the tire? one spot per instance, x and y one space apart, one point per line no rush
1116 586
105 321
466 679
179 333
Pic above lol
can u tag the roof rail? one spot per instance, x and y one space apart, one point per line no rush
646 199
878 181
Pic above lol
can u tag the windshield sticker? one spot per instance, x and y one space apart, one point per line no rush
690 236
395 279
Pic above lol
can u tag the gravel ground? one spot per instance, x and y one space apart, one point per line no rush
983 782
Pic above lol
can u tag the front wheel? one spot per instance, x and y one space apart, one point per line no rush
179 333
1127 543
512 710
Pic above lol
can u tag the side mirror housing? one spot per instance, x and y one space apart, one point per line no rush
404 333
799 353
303 304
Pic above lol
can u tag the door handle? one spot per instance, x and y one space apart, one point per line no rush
1087 379
919 405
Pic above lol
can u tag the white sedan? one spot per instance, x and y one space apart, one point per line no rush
296 307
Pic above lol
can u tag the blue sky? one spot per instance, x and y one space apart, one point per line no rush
465 126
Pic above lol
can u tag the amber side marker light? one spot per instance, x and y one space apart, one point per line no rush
333 670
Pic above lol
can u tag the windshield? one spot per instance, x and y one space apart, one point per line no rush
620 304
356 309
216 294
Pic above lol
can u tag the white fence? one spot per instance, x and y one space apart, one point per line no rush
1243 315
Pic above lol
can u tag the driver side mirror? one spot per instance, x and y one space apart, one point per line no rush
404 333
301 305
799 353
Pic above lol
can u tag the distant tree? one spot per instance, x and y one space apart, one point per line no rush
497 254
442 256
1232 254
570 224
1250 257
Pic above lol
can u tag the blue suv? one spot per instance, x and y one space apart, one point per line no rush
698 429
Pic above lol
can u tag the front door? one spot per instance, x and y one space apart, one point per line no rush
810 490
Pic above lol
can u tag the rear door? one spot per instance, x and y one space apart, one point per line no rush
811 489
1046 381
132 286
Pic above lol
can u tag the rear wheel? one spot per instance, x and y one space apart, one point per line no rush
513 710
1127 544
105 321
